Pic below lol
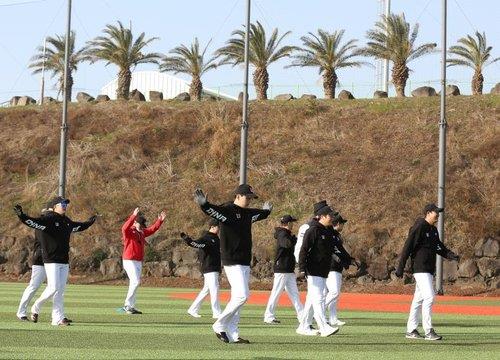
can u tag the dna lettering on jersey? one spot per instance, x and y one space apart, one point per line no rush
211 212
75 229
33 224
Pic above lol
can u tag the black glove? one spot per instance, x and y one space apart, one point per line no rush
18 209
399 273
200 197
185 237
452 256
92 219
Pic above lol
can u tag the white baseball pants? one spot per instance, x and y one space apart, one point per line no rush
133 268
37 278
210 286
422 303
333 284
287 282
316 286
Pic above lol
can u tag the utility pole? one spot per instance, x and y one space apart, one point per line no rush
244 123
64 123
42 82
442 149
385 74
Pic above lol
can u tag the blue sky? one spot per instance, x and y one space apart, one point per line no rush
25 23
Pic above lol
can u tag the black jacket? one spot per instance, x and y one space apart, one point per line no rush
341 258
235 230
422 245
55 233
37 247
317 250
209 252
284 260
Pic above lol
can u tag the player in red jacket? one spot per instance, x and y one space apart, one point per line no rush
134 233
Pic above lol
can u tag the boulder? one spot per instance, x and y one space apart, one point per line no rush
379 269
83 97
183 97
207 97
450 270
181 255
345 95
490 248
136 95
467 269
187 271
308 97
102 98
111 267
49 100
14 100
495 284
157 269
155 96
495 90
380 94
452 90
25 101
284 97
423 91
488 267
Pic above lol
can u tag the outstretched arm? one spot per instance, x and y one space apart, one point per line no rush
261 214
217 212
197 244
82 226
130 221
154 228
34 223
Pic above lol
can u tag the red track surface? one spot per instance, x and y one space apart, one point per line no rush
381 302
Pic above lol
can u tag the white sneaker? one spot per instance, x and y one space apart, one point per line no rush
329 331
307 332
193 314
337 323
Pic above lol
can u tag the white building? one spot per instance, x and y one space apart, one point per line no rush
170 86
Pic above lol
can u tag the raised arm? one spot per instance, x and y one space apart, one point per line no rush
39 223
130 221
261 214
221 213
82 226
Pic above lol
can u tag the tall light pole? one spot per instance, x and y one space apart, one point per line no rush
244 123
42 81
442 149
385 71
64 123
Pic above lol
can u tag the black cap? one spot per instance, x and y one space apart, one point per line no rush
57 200
318 206
245 189
141 219
213 222
338 219
325 210
287 219
432 207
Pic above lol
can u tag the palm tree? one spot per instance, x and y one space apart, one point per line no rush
117 46
189 61
392 39
326 52
53 60
474 54
262 53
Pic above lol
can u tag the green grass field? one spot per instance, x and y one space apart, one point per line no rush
166 331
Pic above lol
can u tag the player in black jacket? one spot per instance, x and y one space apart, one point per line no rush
422 245
340 260
284 266
56 229
314 262
209 257
235 234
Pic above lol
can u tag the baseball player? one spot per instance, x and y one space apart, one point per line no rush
236 221
340 260
56 230
209 257
422 245
284 265
134 233
314 262
37 277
